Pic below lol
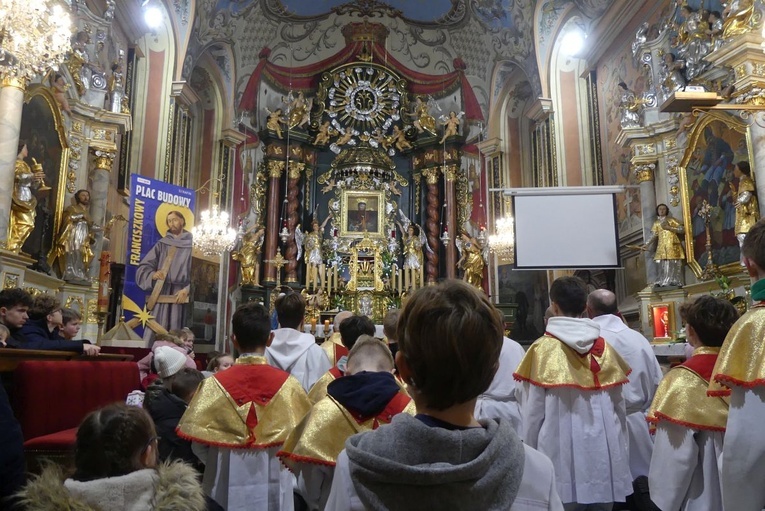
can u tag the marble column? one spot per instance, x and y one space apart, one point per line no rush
644 174
273 208
450 198
11 104
102 163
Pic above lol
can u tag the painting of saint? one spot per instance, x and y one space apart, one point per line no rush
363 215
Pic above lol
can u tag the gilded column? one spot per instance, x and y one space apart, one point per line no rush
293 179
644 174
450 198
11 103
275 169
432 224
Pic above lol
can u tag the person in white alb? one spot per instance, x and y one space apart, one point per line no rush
572 404
293 350
644 378
690 426
499 400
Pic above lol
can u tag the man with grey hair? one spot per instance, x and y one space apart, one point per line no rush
644 378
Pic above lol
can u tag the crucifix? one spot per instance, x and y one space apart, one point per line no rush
279 261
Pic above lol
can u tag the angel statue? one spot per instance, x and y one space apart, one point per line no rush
312 242
248 254
325 133
423 121
274 122
299 110
473 257
414 239
451 125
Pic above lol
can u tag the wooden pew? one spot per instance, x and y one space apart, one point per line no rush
11 357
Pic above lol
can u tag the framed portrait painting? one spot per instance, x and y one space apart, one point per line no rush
362 213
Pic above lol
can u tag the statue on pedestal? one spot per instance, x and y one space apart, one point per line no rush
248 255
747 208
26 181
414 239
472 260
314 261
423 121
73 249
669 253
631 108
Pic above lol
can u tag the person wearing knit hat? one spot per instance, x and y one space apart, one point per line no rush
168 361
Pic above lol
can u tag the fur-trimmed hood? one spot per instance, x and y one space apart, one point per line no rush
171 487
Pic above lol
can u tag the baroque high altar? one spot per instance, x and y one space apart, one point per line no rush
361 192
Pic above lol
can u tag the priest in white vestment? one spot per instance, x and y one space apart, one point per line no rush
644 378
292 350
572 405
499 400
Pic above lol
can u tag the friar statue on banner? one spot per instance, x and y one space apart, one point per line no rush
165 272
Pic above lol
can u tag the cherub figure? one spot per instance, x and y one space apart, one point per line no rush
398 138
344 138
59 88
451 125
274 122
325 133
331 184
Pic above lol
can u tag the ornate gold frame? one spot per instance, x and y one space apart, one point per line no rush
58 118
347 195
670 326
697 132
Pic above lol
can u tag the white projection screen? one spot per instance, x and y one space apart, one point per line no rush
555 230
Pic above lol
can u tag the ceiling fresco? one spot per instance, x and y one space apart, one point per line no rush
426 35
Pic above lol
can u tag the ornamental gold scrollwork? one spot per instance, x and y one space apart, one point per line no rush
450 172
431 175
10 281
295 169
673 180
644 171
91 315
275 169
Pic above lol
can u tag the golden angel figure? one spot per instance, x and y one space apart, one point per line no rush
451 125
248 255
747 207
423 120
414 240
472 260
275 121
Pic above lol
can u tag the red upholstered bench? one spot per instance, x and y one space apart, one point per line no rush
52 397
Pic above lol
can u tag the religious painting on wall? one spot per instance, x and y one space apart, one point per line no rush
709 187
204 292
528 291
42 129
362 213
158 269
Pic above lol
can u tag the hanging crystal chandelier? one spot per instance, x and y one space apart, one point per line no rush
502 242
213 235
34 36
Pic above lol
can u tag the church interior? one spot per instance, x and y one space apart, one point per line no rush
165 162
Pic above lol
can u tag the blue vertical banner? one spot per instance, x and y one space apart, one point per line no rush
158 272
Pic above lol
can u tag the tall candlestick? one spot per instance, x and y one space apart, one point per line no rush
104 281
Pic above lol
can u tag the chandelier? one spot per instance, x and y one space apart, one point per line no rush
213 235
502 242
34 36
